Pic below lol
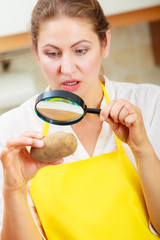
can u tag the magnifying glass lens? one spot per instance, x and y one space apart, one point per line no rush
60 109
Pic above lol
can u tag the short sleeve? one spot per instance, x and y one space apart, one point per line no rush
154 134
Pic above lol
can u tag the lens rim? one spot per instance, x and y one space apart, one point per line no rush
60 94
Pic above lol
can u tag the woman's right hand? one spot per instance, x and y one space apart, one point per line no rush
18 166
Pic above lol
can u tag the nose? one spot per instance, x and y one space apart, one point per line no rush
68 64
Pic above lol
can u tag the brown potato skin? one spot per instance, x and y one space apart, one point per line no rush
57 145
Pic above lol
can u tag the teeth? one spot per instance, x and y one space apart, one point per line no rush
70 83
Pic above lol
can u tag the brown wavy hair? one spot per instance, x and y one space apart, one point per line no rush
89 10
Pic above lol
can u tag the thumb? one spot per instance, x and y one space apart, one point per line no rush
44 164
59 161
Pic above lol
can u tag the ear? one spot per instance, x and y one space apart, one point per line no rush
106 44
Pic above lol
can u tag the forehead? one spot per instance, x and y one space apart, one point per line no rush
66 29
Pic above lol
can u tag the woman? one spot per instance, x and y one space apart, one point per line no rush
114 192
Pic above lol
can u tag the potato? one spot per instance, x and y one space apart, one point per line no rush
57 145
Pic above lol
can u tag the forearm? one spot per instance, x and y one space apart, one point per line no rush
148 166
17 219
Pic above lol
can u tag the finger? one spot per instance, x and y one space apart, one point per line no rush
112 124
24 141
116 108
41 164
124 112
33 134
59 161
105 112
130 120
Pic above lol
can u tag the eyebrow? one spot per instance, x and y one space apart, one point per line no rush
81 41
73 45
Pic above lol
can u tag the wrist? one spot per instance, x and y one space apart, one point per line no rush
12 182
143 152
15 193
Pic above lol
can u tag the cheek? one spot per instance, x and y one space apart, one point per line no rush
48 68
45 65
92 65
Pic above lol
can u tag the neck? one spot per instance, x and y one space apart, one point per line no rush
94 96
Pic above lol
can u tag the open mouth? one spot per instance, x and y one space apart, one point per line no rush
71 83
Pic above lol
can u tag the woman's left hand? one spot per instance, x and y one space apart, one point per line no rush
126 121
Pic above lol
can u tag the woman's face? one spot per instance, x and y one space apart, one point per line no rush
70 55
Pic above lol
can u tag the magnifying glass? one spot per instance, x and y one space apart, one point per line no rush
61 107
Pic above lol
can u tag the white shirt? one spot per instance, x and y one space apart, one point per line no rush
24 118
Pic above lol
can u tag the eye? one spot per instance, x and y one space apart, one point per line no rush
81 51
53 54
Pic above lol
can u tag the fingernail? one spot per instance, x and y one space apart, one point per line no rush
39 143
101 118
39 135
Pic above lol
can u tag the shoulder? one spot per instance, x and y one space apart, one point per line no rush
132 92
144 96
19 111
18 120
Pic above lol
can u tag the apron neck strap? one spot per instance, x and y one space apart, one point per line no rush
45 128
118 141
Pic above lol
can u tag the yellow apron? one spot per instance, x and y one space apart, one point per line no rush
99 198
